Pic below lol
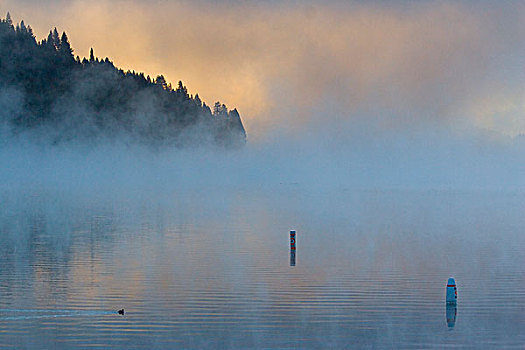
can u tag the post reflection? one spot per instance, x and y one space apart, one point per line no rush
452 310
292 248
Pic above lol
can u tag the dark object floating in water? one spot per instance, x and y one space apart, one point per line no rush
121 312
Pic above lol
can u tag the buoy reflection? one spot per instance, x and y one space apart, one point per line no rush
452 311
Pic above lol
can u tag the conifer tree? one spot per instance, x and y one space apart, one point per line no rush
8 20
181 89
23 28
218 109
56 38
198 100
160 80
49 42
65 46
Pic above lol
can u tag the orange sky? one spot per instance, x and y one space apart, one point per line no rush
291 64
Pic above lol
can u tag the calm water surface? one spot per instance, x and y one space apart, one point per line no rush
204 269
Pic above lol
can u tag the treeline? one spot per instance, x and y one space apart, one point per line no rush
44 88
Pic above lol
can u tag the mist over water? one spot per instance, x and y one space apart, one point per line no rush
194 243
320 156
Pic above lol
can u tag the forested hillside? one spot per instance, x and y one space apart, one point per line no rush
47 92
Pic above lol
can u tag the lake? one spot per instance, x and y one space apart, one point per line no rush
213 269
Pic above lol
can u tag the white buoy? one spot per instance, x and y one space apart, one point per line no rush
452 291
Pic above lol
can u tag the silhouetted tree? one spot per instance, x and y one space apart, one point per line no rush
21 27
8 20
50 43
219 109
56 39
161 81
197 100
65 46
181 89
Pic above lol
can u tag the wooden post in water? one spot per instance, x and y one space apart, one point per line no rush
292 248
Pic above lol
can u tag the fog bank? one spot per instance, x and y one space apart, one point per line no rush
316 160
338 94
